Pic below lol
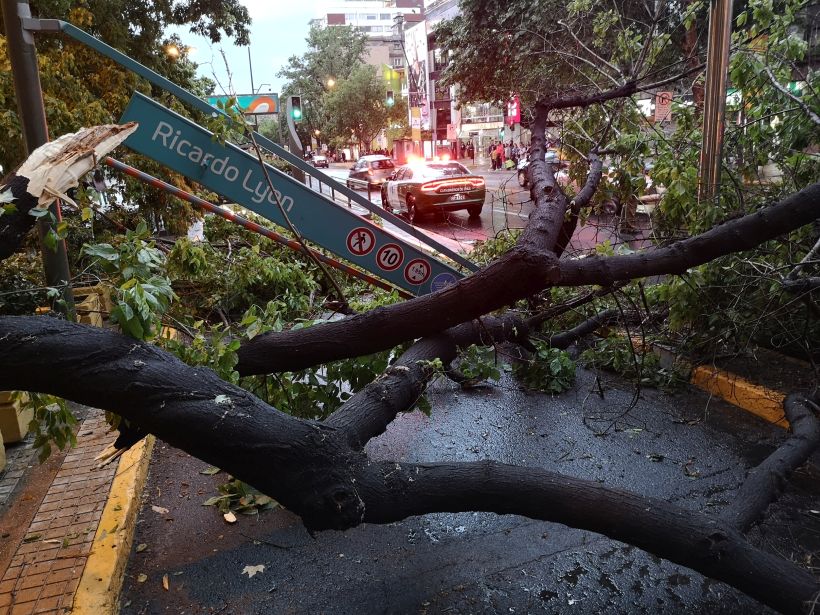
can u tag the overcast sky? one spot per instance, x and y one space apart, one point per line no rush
278 31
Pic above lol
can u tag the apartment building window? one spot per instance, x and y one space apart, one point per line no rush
370 16
385 16
398 62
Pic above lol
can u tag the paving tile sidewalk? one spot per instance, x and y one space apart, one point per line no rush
48 563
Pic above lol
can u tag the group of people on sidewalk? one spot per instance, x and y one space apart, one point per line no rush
505 155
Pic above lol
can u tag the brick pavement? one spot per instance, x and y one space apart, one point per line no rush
46 568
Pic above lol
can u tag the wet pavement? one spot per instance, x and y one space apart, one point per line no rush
687 449
507 206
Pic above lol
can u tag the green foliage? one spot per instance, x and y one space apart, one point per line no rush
617 354
317 392
487 251
136 269
357 105
332 53
53 423
238 497
479 363
549 370
208 281
21 277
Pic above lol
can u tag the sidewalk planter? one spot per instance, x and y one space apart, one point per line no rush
14 419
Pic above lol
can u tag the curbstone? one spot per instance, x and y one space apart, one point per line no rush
757 399
101 582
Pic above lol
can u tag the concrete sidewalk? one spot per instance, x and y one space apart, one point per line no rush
77 529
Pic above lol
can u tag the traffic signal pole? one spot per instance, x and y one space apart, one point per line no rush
32 113
294 142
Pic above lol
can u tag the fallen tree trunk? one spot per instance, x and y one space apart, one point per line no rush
317 471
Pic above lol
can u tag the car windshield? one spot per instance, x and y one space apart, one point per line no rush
444 170
382 164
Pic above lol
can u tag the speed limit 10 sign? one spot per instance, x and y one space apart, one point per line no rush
390 257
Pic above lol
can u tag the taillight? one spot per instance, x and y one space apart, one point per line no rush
441 185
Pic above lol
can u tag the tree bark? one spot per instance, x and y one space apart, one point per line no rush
316 470
528 268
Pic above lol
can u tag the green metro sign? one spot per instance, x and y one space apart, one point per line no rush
189 149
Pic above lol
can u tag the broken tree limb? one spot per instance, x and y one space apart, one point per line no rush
369 411
766 481
312 470
49 172
394 491
528 268
565 339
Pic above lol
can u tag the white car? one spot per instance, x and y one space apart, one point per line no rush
372 170
318 160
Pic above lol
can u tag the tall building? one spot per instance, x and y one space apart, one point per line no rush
377 19
435 115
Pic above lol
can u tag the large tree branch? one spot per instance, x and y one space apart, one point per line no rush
368 413
310 468
526 269
393 491
304 464
736 235
765 482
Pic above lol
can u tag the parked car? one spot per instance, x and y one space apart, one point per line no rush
370 170
319 161
420 188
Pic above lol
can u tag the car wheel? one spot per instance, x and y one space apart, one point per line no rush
349 185
474 211
412 213
522 178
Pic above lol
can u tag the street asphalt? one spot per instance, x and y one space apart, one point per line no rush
685 448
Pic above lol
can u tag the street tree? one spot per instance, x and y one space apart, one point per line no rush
357 109
303 443
332 56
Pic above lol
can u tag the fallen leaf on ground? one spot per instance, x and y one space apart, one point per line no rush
252 570
165 584
160 510
141 547
230 517
142 578
210 471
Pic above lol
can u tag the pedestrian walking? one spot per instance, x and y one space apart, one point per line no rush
471 152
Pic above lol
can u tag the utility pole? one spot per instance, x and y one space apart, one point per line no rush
717 63
27 89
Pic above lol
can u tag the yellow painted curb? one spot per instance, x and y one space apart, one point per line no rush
98 592
759 400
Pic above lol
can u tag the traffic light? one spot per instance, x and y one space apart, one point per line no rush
296 108
390 99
